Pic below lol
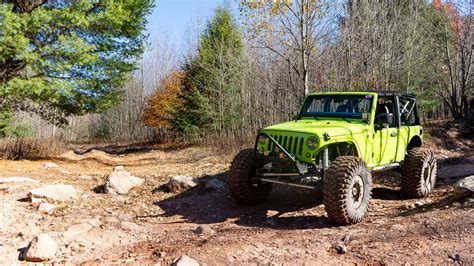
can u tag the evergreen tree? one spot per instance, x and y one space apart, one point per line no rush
60 57
7 117
210 94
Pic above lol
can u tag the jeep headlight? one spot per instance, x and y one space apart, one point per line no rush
262 138
312 143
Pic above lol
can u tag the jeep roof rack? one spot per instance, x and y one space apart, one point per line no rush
379 92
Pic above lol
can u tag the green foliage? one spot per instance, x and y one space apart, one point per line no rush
7 117
209 96
21 130
8 127
69 55
102 132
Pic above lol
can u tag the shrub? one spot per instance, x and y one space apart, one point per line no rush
21 130
30 148
160 107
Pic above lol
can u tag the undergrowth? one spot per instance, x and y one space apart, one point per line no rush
30 148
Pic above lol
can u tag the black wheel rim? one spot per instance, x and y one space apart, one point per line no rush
357 191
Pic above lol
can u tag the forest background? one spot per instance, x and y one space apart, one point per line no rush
247 66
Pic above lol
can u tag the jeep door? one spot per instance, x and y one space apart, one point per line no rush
409 124
385 134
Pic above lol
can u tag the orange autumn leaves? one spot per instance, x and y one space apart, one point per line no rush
456 21
161 105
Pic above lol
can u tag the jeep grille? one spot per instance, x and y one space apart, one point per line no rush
293 145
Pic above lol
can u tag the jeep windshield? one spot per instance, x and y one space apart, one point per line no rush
338 106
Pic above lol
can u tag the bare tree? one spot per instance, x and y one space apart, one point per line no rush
293 30
453 31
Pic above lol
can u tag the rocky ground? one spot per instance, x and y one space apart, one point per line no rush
78 209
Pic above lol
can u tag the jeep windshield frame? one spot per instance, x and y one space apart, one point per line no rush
352 106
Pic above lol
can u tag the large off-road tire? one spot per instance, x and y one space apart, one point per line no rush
240 177
347 190
419 173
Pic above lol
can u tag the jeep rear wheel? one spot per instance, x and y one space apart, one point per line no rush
240 182
347 190
419 173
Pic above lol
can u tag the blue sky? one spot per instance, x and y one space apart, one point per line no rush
172 17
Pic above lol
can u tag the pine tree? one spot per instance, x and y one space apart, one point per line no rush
210 93
59 58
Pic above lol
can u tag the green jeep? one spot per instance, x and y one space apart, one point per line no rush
336 142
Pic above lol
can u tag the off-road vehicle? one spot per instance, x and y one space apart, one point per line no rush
336 142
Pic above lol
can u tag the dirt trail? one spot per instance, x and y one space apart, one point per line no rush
150 225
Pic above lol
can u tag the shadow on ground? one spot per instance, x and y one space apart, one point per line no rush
133 148
219 206
460 139
117 149
290 208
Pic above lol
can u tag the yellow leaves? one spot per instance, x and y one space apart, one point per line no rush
159 109
259 14
274 6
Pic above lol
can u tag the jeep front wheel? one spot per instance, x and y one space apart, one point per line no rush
240 182
347 189
419 173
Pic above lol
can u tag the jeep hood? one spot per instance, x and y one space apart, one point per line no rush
319 127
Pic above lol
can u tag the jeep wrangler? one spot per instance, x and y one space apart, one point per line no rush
336 142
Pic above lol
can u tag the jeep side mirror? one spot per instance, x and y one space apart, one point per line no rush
295 115
385 119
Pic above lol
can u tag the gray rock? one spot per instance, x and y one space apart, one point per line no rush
121 182
41 248
204 230
272 213
341 249
46 207
419 203
86 177
214 184
464 187
180 183
58 192
50 165
409 206
65 172
346 238
184 261
455 257
77 230
94 222
15 179
119 168
129 226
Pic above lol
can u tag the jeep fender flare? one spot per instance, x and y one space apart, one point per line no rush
349 143
414 142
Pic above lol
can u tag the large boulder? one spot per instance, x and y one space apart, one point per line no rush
121 182
464 187
41 248
53 193
180 183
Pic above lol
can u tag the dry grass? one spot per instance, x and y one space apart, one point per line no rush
229 143
30 148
